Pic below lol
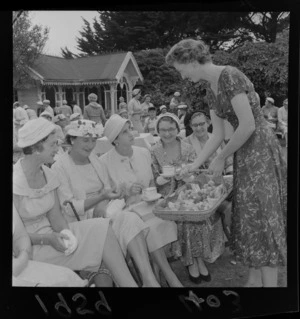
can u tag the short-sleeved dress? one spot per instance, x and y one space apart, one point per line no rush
33 206
137 169
195 239
259 181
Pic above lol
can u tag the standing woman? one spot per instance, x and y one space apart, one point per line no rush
135 111
260 173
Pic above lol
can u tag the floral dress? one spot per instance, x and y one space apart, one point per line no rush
195 239
259 181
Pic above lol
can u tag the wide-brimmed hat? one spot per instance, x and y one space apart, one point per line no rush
33 131
46 102
114 126
83 128
182 106
135 92
164 115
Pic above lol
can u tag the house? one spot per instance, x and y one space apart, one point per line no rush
108 75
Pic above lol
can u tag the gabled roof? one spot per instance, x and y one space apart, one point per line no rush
105 67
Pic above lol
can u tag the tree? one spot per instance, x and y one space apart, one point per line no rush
28 44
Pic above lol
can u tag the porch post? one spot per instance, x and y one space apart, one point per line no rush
113 97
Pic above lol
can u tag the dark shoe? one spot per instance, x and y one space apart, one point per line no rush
195 280
206 278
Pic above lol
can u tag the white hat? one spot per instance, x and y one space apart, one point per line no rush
270 100
92 97
177 94
162 107
46 102
171 115
64 102
25 107
59 117
16 104
182 106
34 131
75 116
136 92
83 128
45 113
39 103
114 126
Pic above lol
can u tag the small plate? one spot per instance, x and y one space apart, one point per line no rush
167 176
151 199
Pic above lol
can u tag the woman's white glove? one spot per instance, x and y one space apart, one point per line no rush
71 243
161 181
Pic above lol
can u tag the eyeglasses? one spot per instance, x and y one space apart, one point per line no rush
198 124
170 130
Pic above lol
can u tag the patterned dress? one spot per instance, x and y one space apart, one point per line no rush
195 239
259 182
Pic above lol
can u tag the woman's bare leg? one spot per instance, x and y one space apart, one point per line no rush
137 248
160 258
254 279
115 262
269 276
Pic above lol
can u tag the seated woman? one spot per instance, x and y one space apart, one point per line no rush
84 182
131 166
78 245
199 124
197 242
27 272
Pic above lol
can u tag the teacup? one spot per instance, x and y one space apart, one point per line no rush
168 170
149 192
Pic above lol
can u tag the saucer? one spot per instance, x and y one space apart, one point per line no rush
157 196
167 175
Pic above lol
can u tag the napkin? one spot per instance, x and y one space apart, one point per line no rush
71 243
115 206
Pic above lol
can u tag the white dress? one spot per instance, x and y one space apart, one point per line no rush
79 182
38 273
121 169
33 206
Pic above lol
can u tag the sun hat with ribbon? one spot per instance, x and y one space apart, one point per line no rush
164 115
84 128
33 131
135 92
114 126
